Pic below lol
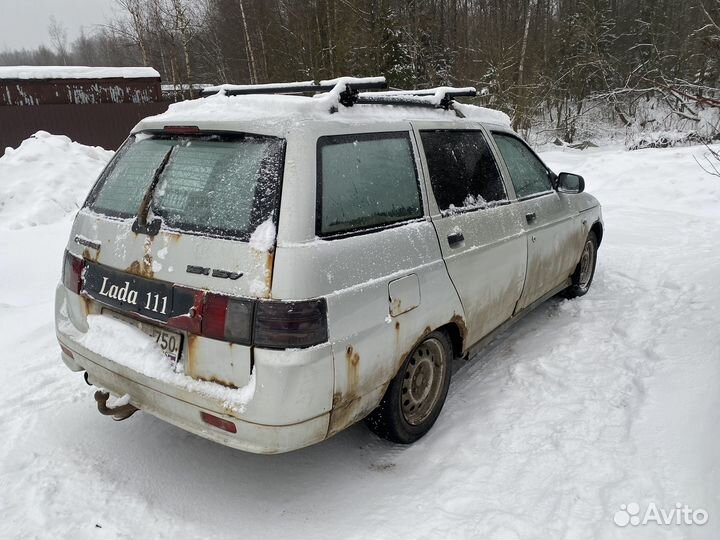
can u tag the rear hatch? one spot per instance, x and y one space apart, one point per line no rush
210 216
178 213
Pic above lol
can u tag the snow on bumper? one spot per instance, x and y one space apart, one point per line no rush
285 405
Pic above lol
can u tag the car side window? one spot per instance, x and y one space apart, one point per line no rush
463 172
528 174
366 181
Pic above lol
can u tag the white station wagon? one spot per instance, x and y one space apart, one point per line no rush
264 267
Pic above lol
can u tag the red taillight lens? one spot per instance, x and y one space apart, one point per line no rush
72 272
269 324
228 319
218 422
283 325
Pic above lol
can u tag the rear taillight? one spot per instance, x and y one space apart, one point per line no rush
72 272
228 319
283 325
265 323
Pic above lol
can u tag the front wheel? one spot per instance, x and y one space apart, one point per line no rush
416 395
585 270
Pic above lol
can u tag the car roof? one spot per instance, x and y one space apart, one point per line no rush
277 115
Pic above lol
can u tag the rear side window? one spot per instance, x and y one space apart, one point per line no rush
463 172
528 174
225 185
366 181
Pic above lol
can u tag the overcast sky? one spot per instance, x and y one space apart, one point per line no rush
24 23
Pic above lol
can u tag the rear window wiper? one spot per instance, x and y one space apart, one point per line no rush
140 225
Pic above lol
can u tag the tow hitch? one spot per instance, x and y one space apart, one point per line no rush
118 413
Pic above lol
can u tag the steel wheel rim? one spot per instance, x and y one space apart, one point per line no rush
423 380
587 263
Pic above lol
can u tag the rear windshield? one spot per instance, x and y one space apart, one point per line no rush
218 184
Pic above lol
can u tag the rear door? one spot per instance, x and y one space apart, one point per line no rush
553 231
480 234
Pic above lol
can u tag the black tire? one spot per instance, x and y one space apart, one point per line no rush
427 365
585 271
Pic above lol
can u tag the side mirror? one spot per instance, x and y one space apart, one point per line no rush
570 183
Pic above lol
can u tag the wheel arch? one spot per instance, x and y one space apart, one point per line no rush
455 331
597 228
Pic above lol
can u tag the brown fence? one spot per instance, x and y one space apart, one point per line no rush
30 92
102 124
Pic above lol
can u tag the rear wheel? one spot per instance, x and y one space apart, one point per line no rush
416 395
585 270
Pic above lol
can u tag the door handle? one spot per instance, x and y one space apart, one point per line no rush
455 238
530 217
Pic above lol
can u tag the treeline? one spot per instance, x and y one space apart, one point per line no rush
551 58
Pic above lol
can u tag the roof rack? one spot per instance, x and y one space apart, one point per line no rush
352 87
349 92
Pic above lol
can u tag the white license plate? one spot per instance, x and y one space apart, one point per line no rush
169 342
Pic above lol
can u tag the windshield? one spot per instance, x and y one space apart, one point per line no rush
218 184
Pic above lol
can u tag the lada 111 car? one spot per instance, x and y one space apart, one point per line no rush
269 264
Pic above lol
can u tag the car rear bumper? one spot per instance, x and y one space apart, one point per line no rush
256 438
282 389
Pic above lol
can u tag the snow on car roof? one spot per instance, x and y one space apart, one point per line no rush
282 109
76 72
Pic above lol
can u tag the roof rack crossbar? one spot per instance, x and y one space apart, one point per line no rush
450 91
306 87
414 98
405 101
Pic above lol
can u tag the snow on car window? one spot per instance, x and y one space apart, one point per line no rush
218 184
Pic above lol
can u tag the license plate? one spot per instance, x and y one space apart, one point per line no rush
127 292
169 342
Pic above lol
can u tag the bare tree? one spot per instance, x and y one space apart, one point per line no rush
58 38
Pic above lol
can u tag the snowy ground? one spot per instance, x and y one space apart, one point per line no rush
585 405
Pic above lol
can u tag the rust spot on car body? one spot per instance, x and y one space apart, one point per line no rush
172 236
192 349
458 321
264 261
343 415
217 380
346 404
86 305
143 267
353 375
139 268
192 366
91 254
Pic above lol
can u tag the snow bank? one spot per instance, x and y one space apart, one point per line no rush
668 180
76 72
582 407
132 348
45 179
